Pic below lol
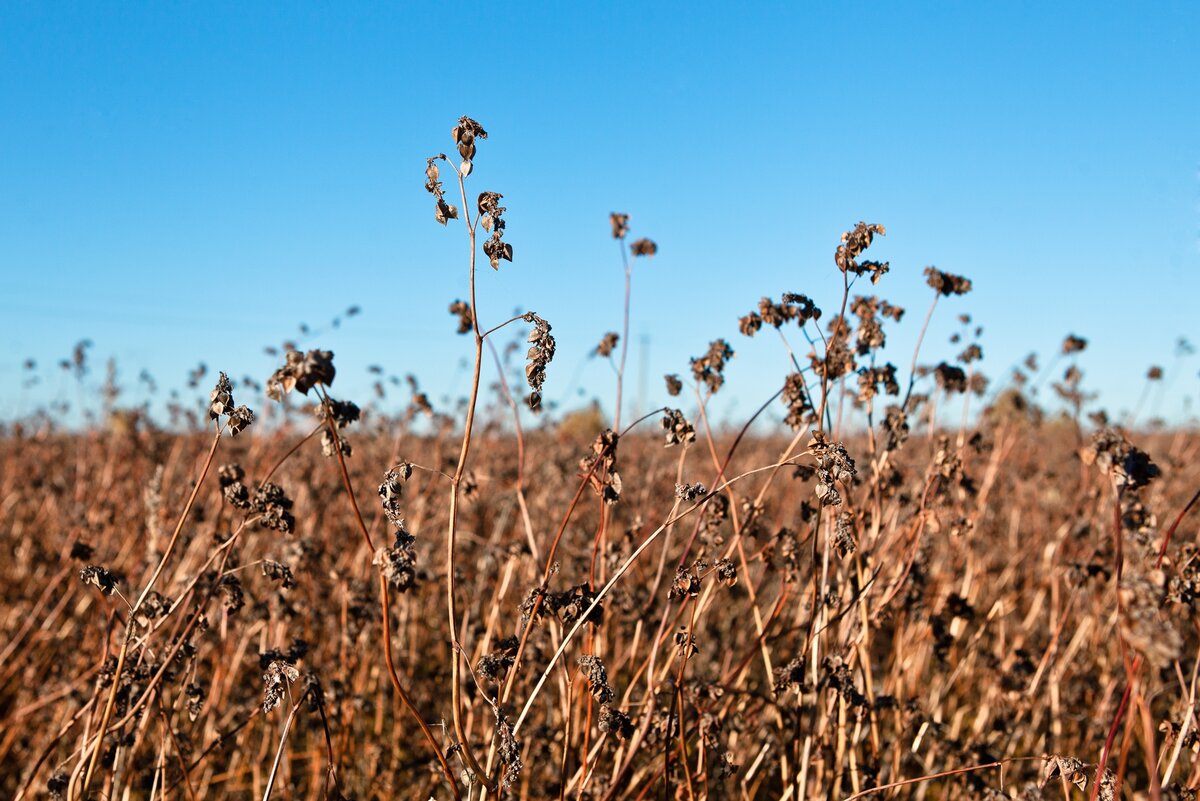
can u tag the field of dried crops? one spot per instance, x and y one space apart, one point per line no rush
889 596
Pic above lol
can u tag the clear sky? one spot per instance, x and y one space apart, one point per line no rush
186 183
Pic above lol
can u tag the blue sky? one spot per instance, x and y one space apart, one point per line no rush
184 183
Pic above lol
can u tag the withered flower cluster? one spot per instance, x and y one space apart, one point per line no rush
221 403
509 751
465 134
229 477
868 310
277 678
643 247
1077 772
493 666
1073 344
950 378
833 466
269 501
343 413
272 503
947 283
685 643
792 307
570 604
466 320
614 721
792 676
601 466
597 677
709 369
607 344
838 359
397 563
685 585
853 244
278 571
872 379
302 372
679 430
795 397
442 211
490 211
674 385
233 597
690 492
540 354
843 535
620 225
971 353
801 307
100 577
1116 456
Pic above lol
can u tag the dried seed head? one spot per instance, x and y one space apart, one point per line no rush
465 318
872 379
685 585
221 399
843 535
465 134
391 490
509 750
442 211
853 244
620 225
330 445
833 466
277 678
277 571
1065 767
272 503
302 372
614 721
947 283
398 563
750 324
240 419
608 343
490 211
597 676
236 495
1116 456
795 397
232 595
950 378
726 572
100 577
679 430
343 413
709 369
540 354
643 247
674 385
492 667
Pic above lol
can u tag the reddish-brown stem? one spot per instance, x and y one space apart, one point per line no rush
385 604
